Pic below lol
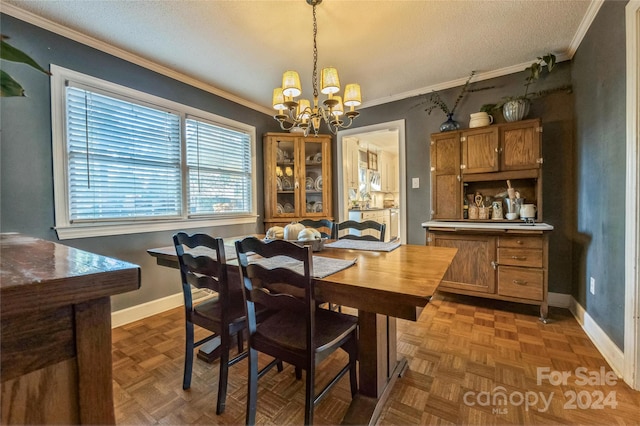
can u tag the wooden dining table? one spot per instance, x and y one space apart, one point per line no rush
382 286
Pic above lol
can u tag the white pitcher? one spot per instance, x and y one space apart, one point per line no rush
528 211
480 119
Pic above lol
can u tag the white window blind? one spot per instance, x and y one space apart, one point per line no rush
219 168
123 159
126 161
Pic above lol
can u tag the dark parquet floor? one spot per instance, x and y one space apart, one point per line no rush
471 362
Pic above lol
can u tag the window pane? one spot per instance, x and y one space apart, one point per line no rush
124 158
219 169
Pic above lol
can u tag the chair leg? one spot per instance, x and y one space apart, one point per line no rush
252 391
240 337
224 371
353 357
309 396
188 356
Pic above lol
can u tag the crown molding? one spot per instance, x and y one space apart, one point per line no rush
587 20
74 35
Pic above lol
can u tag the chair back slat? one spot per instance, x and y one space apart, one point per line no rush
325 226
360 226
201 271
287 290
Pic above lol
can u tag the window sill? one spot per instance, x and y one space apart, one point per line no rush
102 230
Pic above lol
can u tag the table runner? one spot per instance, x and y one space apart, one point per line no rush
322 266
365 245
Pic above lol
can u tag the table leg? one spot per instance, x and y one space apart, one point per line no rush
378 367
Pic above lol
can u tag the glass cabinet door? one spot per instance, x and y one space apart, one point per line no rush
285 168
314 175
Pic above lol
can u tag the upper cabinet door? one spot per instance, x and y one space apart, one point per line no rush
521 145
480 150
446 187
315 177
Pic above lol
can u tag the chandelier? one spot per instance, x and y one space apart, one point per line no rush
299 115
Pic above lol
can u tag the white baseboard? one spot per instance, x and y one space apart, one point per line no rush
138 312
611 353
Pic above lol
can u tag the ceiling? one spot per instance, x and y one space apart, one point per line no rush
394 49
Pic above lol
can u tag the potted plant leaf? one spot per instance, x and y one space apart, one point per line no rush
516 108
436 102
9 86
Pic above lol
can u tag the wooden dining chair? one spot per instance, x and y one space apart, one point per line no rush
223 315
325 226
366 225
298 332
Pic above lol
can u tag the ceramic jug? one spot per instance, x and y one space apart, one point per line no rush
480 119
528 211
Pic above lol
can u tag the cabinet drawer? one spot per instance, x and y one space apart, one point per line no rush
520 282
520 257
521 242
370 216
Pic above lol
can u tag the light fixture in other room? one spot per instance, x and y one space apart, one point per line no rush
300 115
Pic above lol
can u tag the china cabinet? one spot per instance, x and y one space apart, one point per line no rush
297 178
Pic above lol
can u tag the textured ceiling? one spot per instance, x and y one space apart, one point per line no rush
393 49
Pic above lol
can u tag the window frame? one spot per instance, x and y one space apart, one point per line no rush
67 230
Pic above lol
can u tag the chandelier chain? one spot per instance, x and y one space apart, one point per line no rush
315 55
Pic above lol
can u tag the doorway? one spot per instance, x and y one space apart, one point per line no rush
366 154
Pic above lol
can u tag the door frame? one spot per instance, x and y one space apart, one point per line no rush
631 351
397 125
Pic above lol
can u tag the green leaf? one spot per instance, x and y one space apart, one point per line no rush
12 54
535 71
550 59
8 86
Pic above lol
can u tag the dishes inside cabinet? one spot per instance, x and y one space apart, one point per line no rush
310 208
286 183
278 183
288 208
317 207
309 183
279 209
279 155
318 183
318 158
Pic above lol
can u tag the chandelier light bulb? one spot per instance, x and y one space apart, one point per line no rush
291 84
352 95
278 99
329 83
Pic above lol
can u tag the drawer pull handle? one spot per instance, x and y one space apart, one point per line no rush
519 282
519 257
519 241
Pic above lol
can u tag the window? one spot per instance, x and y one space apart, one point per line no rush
126 161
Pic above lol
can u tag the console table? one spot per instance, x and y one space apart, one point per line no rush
55 316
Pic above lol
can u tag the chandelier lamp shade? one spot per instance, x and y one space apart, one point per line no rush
302 116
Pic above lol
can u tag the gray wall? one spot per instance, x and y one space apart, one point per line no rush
26 200
599 79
